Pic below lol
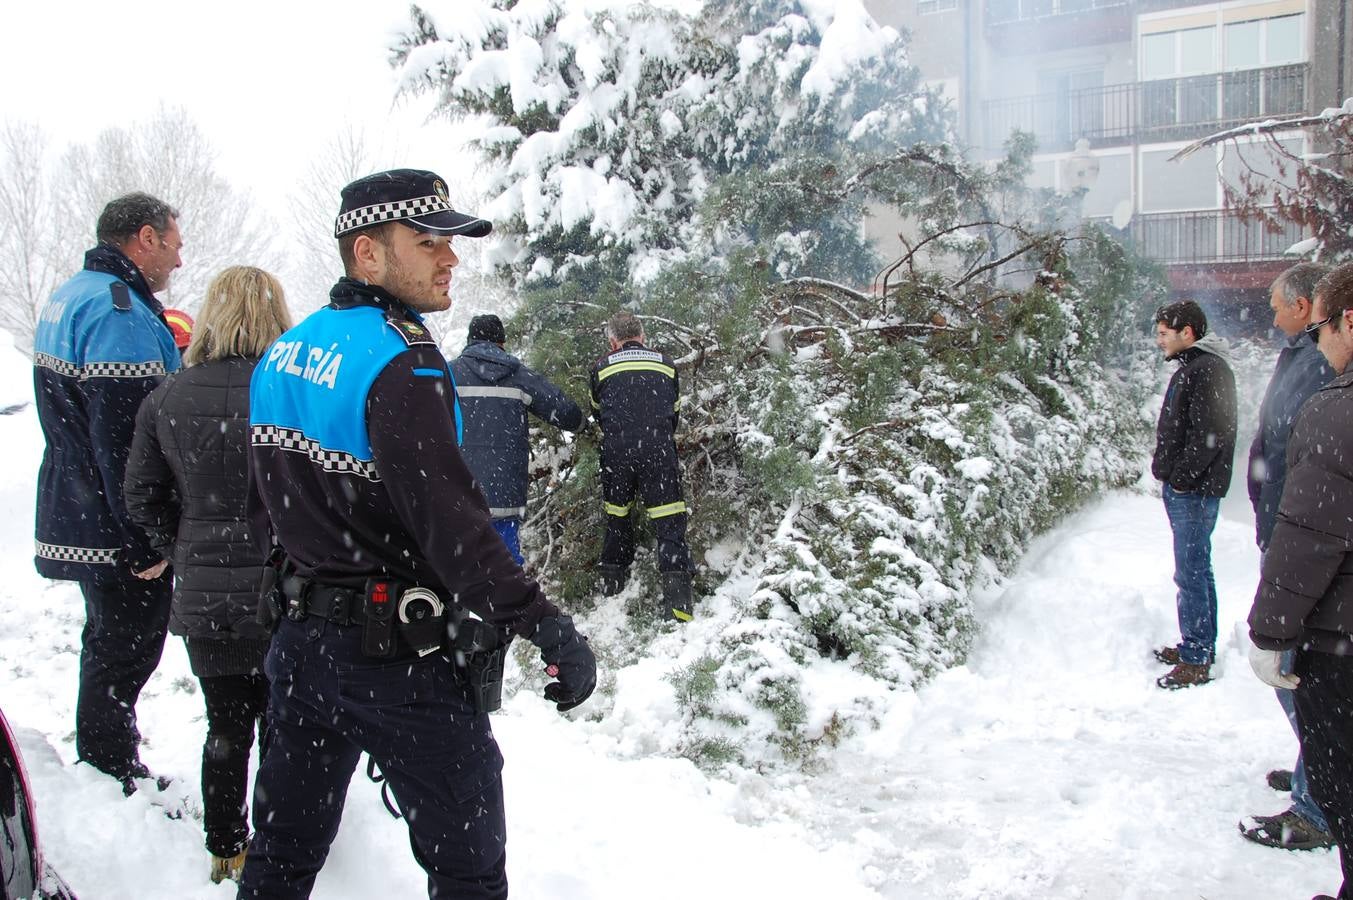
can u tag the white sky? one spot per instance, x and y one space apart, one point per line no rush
268 81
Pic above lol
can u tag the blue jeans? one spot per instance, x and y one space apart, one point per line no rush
1303 804
1192 518
507 529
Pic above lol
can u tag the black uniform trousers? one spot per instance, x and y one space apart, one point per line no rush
1324 701
649 470
328 703
126 620
236 706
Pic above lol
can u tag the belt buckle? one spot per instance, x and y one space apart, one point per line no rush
340 607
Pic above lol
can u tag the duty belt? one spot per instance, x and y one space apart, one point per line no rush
342 606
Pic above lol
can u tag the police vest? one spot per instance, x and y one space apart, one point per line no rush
308 395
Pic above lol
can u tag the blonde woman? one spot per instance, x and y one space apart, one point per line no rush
186 487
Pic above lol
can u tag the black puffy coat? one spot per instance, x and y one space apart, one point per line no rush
1196 432
1305 595
186 486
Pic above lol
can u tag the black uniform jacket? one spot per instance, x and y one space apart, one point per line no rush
1305 596
636 394
354 456
1196 432
187 487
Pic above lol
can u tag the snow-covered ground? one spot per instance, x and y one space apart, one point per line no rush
1048 767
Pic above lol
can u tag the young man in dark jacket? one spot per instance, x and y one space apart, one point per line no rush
101 346
1195 439
1300 372
635 396
1305 597
496 392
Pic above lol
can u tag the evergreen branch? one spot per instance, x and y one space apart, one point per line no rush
891 423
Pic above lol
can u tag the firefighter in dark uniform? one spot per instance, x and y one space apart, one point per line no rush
635 397
390 557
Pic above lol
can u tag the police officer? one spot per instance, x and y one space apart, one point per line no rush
101 346
354 428
496 392
635 396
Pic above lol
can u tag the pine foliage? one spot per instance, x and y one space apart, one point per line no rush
860 452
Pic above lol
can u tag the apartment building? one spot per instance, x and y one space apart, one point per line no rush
1112 89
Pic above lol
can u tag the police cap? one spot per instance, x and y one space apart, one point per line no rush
413 196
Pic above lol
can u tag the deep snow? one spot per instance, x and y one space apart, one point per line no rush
1048 767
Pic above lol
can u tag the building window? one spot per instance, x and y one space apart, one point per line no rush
1284 44
1263 42
926 7
1190 183
1173 54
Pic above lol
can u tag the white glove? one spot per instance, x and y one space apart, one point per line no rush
1267 664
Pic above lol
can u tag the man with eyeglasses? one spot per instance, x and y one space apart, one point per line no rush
1305 597
1301 371
1195 439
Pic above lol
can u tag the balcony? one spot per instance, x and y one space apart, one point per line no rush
1006 12
1172 109
1028 26
1207 237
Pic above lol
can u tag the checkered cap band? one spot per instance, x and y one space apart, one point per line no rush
366 216
90 555
337 461
150 369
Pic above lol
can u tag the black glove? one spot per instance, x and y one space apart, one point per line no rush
567 658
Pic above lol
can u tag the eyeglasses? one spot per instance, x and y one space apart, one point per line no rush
1314 328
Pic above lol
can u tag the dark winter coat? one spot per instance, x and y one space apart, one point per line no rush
636 395
1300 372
496 392
1196 432
354 457
187 486
1305 595
100 347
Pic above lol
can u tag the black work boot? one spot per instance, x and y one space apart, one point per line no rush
676 596
612 578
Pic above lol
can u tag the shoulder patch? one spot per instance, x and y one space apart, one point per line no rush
412 333
122 297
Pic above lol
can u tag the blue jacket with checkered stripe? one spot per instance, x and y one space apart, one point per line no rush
354 461
100 347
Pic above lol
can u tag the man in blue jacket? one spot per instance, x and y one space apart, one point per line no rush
496 392
101 346
1301 371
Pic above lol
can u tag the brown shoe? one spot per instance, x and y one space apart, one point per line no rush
1286 831
1280 780
1184 675
1167 655
223 867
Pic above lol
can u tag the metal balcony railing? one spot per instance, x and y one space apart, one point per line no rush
1004 12
1207 236
1170 109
